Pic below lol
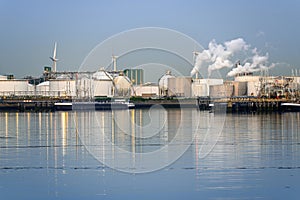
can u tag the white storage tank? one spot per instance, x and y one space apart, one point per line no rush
247 78
253 88
228 88
199 89
221 91
212 81
146 91
62 87
31 89
296 79
180 86
102 84
216 91
42 89
84 86
240 88
3 77
163 84
122 85
16 87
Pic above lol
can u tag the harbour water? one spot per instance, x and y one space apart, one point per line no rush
105 155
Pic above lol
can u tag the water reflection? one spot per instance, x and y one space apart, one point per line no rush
143 131
249 144
137 139
252 151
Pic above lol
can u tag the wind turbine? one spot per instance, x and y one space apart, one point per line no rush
114 60
195 54
53 58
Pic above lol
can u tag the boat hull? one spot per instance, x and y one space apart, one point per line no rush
80 106
290 107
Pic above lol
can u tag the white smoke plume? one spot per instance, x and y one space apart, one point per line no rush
256 63
219 56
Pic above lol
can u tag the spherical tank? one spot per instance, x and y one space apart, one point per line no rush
122 85
163 81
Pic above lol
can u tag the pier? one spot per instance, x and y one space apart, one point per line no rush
29 104
232 105
250 105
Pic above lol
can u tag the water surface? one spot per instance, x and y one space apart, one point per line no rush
56 155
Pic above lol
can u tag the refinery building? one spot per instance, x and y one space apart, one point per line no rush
130 83
102 83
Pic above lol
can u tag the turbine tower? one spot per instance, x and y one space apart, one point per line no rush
54 59
114 59
195 54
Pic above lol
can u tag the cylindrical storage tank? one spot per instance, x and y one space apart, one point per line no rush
103 84
217 91
145 91
228 90
42 89
103 88
30 89
246 78
21 87
17 87
71 88
180 86
163 84
3 77
84 86
211 81
240 88
62 88
54 87
122 86
200 90
253 88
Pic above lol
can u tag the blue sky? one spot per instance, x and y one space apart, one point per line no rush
30 28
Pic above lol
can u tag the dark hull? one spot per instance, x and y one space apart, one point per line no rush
62 107
80 106
290 107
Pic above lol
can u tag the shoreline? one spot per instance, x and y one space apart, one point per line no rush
232 105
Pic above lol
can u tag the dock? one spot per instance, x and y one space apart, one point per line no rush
27 106
232 105
251 104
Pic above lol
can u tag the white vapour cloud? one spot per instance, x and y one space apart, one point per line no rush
236 45
257 63
219 56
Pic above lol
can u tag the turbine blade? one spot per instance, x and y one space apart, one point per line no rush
54 51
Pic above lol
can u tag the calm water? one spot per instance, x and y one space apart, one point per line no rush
61 155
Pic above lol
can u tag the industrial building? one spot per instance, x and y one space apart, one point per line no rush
122 86
148 90
224 90
164 89
130 82
136 76
15 87
62 87
105 84
180 86
202 87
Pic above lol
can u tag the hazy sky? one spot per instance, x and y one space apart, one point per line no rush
30 28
